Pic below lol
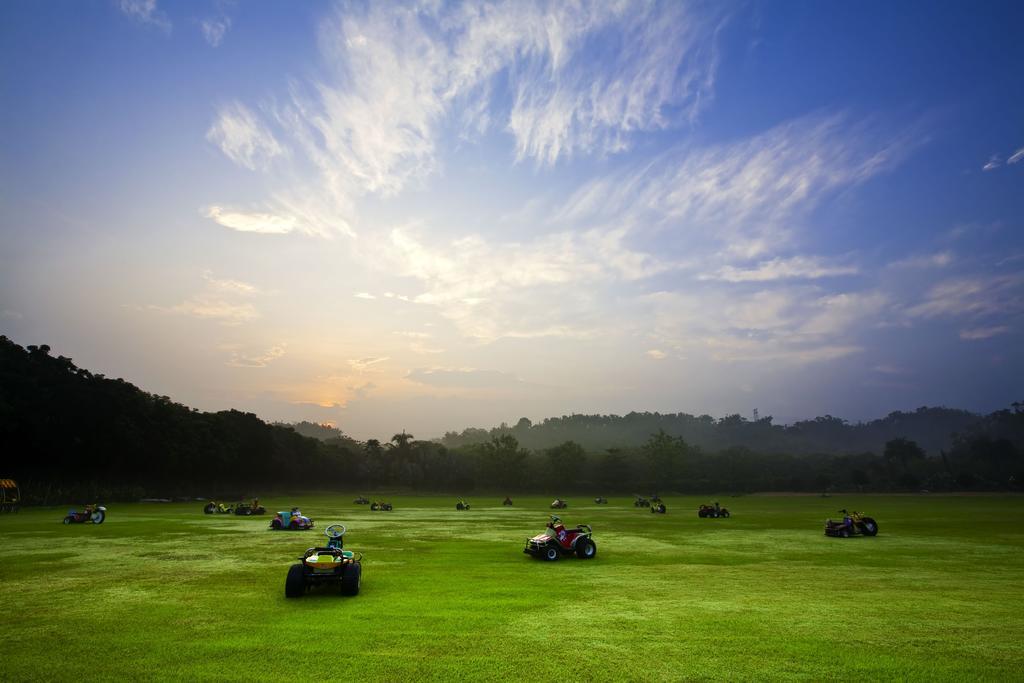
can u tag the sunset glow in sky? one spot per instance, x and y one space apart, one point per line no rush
440 215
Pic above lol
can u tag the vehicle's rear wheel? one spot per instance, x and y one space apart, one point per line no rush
725 513
586 549
295 584
275 524
869 526
210 507
844 533
352 579
551 553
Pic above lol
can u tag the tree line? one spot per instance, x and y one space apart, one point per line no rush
68 434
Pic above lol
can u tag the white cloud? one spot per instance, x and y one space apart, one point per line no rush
939 259
214 29
972 297
263 223
977 333
241 359
396 76
146 12
1016 156
460 277
992 164
364 364
656 354
745 196
243 138
795 267
364 295
223 300
463 378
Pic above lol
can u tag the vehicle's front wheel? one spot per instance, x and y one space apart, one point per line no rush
586 549
98 517
275 524
725 513
295 584
551 553
869 526
68 520
209 508
352 579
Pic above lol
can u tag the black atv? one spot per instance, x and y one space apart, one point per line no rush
641 502
246 509
327 564
601 500
361 500
376 505
462 505
713 511
658 507
507 501
852 524
559 504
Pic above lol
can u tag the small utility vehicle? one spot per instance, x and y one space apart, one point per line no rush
658 507
292 520
558 541
462 505
377 505
559 504
92 513
327 564
362 500
253 508
641 502
507 501
852 524
601 500
715 510
215 508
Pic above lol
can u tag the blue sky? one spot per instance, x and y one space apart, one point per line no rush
438 215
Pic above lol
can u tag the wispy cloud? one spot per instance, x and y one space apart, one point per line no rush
977 333
939 259
215 28
224 300
364 295
993 163
747 195
146 12
972 296
398 76
463 378
242 359
364 364
656 354
795 267
243 138
1016 156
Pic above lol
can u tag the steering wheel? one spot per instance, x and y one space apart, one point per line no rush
335 531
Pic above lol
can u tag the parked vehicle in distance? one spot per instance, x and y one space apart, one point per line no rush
852 524
95 514
291 520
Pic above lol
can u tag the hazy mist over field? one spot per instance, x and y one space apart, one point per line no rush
437 215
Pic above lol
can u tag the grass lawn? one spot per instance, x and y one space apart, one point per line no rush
161 591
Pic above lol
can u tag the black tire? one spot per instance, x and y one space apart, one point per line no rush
551 553
210 507
869 526
725 513
98 517
275 524
586 549
295 584
68 519
844 533
352 579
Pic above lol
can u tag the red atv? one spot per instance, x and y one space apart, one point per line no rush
558 541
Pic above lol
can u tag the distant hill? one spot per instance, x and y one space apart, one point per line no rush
932 428
65 425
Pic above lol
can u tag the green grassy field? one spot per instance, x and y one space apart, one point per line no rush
161 591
